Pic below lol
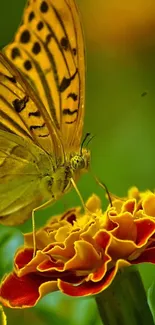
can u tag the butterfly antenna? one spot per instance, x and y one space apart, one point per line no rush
92 137
43 206
84 140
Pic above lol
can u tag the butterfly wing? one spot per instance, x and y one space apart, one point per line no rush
45 109
22 113
48 49
21 187
25 128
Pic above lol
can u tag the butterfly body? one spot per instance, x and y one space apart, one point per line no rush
42 88
30 176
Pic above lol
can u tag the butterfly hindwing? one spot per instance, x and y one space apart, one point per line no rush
48 48
21 186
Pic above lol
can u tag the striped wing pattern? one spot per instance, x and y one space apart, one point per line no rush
48 49
22 113
42 81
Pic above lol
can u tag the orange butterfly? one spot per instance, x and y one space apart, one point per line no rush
42 88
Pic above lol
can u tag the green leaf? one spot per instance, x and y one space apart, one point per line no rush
10 240
124 302
151 298
68 310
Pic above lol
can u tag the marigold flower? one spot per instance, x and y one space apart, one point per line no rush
80 254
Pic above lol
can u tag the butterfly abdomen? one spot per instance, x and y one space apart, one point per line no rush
60 181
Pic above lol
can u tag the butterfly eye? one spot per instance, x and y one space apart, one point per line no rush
77 162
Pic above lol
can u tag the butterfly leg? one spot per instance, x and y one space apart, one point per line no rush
110 195
105 188
44 205
34 234
80 196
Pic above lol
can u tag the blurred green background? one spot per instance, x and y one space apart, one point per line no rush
120 112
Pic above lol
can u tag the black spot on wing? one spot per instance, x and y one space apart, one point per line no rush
40 25
66 82
27 65
73 96
70 122
74 51
48 39
36 49
20 104
64 43
31 16
25 36
36 113
15 53
34 127
44 7
43 135
67 111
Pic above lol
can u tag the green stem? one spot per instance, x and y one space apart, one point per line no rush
2 316
125 301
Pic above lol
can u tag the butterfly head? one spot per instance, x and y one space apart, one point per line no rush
80 162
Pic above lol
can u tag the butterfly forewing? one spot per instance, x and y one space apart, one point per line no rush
22 113
10 90
48 49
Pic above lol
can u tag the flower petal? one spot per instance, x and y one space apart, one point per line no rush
91 288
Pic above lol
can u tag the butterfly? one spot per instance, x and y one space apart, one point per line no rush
42 90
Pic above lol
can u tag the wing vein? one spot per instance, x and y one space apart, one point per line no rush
6 117
56 78
66 34
41 76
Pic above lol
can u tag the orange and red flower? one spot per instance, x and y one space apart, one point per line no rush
80 254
